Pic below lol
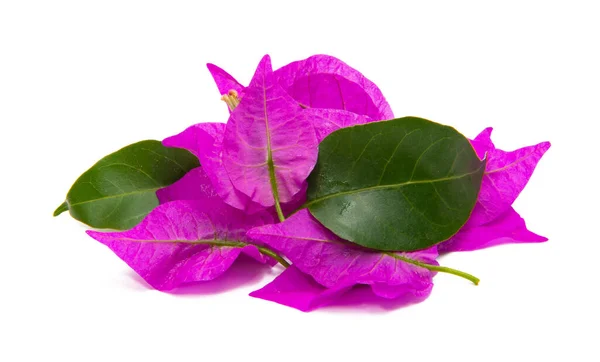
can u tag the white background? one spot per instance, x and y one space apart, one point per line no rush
81 79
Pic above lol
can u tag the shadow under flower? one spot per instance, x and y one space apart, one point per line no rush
362 299
295 289
244 271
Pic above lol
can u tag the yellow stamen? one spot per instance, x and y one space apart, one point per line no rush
231 98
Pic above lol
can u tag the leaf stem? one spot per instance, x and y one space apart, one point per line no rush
270 163
274 255
273 181
437 268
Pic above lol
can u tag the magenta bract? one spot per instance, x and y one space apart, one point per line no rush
493 221
337 264
506 174
195 185
186 240
224 81
268 136
326 120
205 140
295 289
507 228
323 81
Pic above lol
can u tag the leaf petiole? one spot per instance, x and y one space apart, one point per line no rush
274 255
437 268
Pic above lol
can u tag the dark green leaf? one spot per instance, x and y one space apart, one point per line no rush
120 189
404 184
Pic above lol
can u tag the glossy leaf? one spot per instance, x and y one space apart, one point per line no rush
185 241
269 147
322 81
119 190
404 184
335 263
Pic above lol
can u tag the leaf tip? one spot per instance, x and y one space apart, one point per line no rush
62 208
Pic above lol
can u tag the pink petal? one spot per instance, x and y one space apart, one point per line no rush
225 82
483 143
295 289
327 121
322 81
188 139
195 185
505 176
507 228
205 141
337 264
266 123
298 290
178 242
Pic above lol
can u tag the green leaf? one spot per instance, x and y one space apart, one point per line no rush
120 189
402 185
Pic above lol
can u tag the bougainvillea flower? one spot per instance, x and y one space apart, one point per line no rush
493 221
338 265
269 145
321 81
187 241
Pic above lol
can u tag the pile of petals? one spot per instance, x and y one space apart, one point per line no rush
249 195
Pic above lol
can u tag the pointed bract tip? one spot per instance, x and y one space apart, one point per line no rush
545 145
485 135
266 62
97 235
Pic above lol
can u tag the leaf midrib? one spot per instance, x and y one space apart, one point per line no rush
116 196
389 186
270 163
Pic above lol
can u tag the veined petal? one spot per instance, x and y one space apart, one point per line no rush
506 175
322 81
506 229
269 146
337 264
185 241
224 81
